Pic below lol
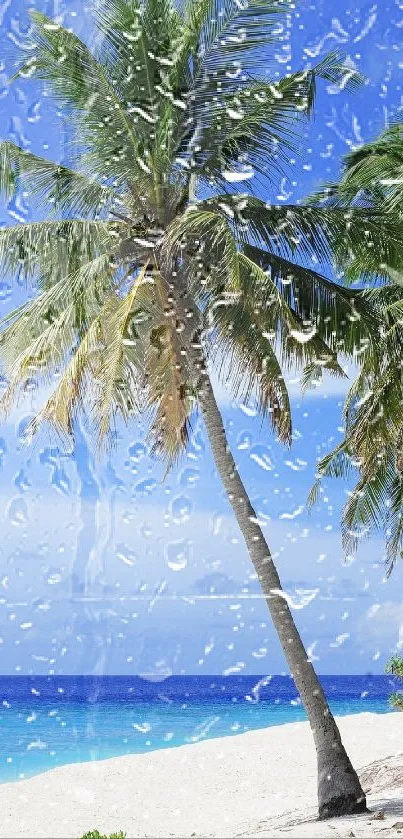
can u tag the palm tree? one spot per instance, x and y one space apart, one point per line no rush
152 266
373 440
395 667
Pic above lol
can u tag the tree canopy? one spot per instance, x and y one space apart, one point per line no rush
151 243
373 440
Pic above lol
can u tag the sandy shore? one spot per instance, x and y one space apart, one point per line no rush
261 784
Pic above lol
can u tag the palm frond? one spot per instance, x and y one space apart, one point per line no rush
312 373
373 171
106 372
76 387
53 186
41 357
372 179
394 521
343 318
235 34
79 82
260 289
114 372
364 505
206 237
46 248
373 446
212 52
325 234
138 41
247 361
169 382
139 46
259 122
36 338
336 464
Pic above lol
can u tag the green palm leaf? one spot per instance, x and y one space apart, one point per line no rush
208 237
51 184
260 123
329 233
231 32
165 98
36 338
247 362
79 82
46 248
343 318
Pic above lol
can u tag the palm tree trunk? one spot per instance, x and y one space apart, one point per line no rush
339 789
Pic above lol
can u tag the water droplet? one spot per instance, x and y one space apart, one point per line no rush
236 668
297 466
60 480
203 728
303 336
161 671
146 487
257 689
53 578
249 409
17 511
216 524
22 427
340 639
294 514
145 530
143 727
21 481
181 507
178 554
299 598
125 555
243 174
30 384
260 454
189 477
37 744
260 653
244 440
137 451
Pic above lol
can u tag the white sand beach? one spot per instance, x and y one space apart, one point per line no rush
261 784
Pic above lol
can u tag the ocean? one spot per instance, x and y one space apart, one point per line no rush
50 721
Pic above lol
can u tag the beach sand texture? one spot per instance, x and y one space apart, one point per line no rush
261 783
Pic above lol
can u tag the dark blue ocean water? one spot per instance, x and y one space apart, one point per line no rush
49 721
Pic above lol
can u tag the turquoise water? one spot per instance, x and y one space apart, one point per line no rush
52 721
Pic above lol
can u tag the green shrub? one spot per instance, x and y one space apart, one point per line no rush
395 667
95 834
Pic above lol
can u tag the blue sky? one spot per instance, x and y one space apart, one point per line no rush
104 568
